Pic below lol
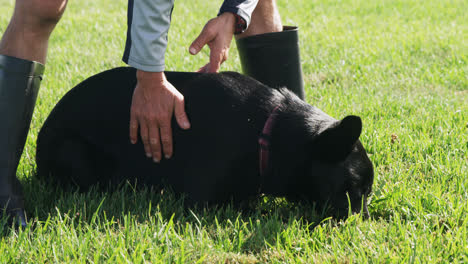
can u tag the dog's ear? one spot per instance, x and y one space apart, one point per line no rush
337 141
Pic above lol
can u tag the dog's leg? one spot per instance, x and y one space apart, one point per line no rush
77 163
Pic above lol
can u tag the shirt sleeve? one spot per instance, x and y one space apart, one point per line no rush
244 8
148 24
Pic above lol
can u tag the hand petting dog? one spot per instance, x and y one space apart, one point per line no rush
155 100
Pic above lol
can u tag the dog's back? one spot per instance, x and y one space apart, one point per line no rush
85 138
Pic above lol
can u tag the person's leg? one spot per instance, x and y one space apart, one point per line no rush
28 32
265 19
23 51
269 51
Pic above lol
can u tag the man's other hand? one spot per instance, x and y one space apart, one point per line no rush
217 33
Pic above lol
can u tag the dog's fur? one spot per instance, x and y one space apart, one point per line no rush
313 157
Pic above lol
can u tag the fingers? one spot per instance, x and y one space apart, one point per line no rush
154 144
218 39
144 133
216 58
133 127
157 135
154 103
166 139
180 115
204 69
202 39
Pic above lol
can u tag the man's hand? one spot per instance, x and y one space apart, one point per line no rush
217 33
153 103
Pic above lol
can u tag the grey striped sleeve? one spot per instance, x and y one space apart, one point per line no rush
147 28
244 8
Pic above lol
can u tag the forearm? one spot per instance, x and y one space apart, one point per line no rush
148 26
244 8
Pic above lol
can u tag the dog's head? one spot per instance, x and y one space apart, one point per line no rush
338 170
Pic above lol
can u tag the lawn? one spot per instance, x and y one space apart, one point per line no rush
401 65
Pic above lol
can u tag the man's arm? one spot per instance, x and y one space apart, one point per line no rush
154 100
148 24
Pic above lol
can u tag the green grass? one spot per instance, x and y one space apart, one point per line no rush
400 65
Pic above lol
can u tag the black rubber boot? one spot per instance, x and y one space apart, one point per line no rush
19 85
273 59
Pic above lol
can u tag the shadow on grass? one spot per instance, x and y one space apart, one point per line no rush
45 199
262 222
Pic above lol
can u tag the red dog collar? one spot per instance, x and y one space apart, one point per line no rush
264 144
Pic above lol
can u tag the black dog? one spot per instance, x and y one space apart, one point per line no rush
245 139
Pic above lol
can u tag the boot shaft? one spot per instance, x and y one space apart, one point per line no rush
19 86
273 59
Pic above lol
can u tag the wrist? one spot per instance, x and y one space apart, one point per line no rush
150 77
230 19
239 25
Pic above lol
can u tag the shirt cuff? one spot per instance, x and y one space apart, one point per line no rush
237 11
145 67
243 8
